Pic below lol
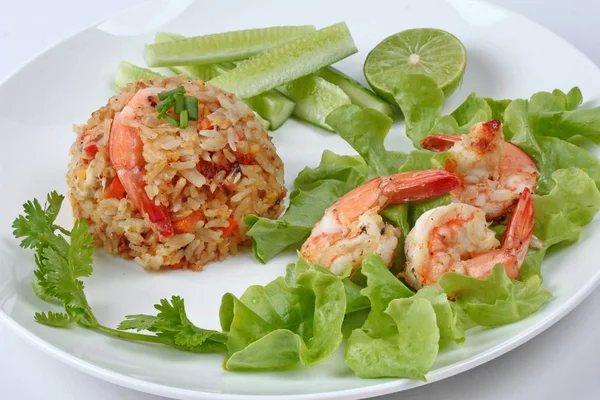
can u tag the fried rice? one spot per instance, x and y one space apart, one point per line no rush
222 171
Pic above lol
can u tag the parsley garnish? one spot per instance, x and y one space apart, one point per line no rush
63 257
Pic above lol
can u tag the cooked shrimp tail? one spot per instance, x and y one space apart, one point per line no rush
399 188
493 172
515 243
352 227
520 227
126 156
439 142
456 238
418 185
157 216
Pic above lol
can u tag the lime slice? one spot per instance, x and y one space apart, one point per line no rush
289 61
432 52
221 47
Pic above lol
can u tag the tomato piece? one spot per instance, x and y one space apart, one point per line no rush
188 223
115 189
92 149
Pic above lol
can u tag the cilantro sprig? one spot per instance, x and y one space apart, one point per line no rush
63 257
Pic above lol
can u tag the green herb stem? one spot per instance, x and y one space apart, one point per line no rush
169 93
183 119
191 105
165 104
171 120
140 337
179 103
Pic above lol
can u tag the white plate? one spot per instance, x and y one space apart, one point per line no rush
509 57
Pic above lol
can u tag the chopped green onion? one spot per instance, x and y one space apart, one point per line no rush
183 119
165 104
191 105
168 93
171 120
179 103
164 111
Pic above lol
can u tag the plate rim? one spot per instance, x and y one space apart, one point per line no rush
394 386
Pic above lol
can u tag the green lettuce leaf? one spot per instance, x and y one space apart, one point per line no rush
355 300
556 114
571 204
420 100
560 215
279 326
400 337
445 124
407 352
549 153
497 300
365 130
498 107
474 109
451 319
418 208
471 111
316 189
418 160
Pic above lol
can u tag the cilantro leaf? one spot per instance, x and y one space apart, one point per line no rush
59 262
137 322
56 320
62 262
174 328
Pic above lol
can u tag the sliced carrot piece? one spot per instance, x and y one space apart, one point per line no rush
115 189
204 125
231 228
188 223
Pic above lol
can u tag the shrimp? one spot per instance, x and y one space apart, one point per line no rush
456 238
493 172
352 228
125 148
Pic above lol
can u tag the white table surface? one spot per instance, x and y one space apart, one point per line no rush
560 363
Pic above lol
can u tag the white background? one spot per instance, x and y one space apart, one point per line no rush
560 363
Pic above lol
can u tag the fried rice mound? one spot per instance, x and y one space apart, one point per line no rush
208 176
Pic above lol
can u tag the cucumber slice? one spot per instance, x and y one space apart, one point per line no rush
203 72
272 106
315 98
263 121
128 73
221 47
289 61
358 94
